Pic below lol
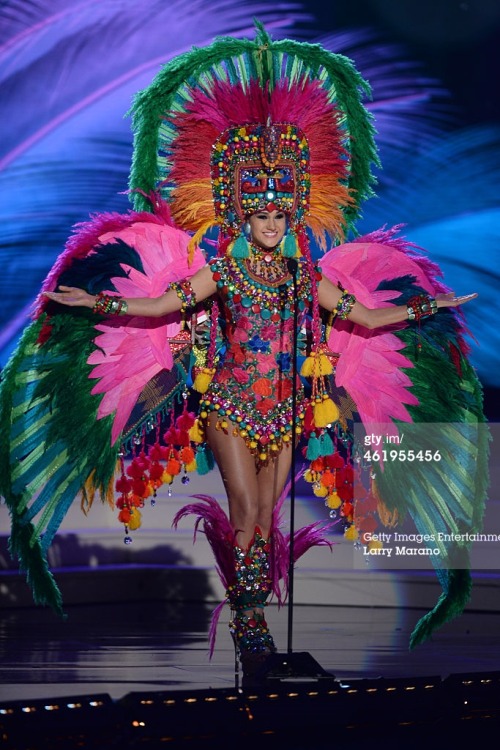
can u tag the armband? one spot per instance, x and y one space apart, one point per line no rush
421 306
105 304
344 305
185 292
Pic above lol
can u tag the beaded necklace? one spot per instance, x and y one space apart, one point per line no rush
273 300
267 266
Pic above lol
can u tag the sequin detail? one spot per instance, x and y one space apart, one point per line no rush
252 389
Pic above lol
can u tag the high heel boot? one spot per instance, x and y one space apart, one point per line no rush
247 597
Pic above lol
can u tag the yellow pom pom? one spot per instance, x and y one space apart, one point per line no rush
196 433
167 478
316 365
203 378
135 519
308 366
325 412
323 366
309 476
320 490
351 533
333 501
191 466
372 544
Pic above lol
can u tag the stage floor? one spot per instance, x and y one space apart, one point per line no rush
158 646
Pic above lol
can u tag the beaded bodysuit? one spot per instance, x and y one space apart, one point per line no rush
252 389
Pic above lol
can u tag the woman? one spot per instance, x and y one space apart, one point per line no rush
268 143
253 478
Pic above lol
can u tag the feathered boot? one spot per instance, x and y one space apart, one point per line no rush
249 576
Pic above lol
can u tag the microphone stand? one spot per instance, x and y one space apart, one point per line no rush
293 666
292 266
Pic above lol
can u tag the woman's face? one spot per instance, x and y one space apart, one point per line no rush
268 228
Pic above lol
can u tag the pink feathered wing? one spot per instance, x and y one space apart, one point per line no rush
130 353
371 364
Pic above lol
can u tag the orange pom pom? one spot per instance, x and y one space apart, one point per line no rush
186 455
173 466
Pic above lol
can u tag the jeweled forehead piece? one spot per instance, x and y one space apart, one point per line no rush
256 165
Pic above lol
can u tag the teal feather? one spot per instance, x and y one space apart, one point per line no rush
33 562
450 604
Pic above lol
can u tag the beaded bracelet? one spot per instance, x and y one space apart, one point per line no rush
105 304
185 292
344 305
421 306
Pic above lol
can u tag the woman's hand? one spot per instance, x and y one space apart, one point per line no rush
450 300
72 296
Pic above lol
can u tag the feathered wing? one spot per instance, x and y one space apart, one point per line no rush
415 381
70 397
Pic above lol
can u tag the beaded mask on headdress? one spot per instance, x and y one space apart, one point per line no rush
222 127
260 168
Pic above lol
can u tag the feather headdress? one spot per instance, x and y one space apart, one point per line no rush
222 126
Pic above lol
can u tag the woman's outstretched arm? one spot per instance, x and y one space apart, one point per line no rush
202 284
330 296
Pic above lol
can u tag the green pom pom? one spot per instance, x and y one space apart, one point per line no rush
241 248
313 448
204 460
326 444
289 246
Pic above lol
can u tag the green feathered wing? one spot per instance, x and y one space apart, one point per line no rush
51 443
445 496
414 383
78 387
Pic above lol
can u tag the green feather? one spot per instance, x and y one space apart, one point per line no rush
447 495
52 440
450 604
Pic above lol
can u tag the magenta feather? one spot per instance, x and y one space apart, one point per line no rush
221 538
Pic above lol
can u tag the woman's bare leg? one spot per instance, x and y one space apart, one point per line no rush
239 475
271 480
252 492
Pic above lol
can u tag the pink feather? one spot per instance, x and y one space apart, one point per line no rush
371 364
128 354
86 236
221 537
